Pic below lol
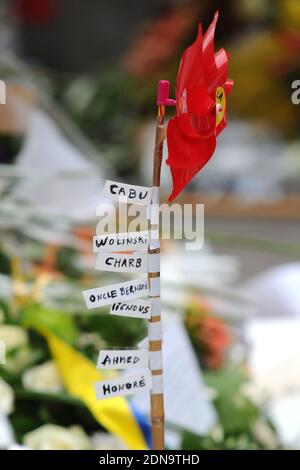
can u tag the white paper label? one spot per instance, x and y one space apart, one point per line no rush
123 359
122 263
135 241
127 193
124 385
106 295
135 309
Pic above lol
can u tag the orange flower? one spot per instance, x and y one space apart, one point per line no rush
211 337
159 40
215 340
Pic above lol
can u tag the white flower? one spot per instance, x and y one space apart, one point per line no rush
6 432
18 447
13 336
104 441
43 378
52 437
20 359
6 398
264 433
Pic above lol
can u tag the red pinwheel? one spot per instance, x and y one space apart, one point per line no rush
201 92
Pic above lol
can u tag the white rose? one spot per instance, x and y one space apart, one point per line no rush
52 437
6 398
6 432
264 433
43 378
104 441
18 447
13 336
21 359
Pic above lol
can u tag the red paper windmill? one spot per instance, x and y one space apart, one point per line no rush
201 92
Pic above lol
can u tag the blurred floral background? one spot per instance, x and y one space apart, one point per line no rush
81 82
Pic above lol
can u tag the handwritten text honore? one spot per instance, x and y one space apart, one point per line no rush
123 385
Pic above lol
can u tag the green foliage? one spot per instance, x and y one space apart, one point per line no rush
66 263
115 331
236 412
5 311
5 267
239 442
37 317
33 409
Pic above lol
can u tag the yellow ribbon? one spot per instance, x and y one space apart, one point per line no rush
79 375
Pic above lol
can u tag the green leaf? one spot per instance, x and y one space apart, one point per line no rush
115 331
23 394
225 381
236 412
38 317
33 409
67 263
192 441
5 310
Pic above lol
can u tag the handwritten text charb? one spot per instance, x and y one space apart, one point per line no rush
122 263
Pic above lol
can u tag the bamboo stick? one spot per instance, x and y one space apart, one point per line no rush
157 399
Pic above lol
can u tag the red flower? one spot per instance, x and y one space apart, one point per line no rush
215 340
34 11
210 336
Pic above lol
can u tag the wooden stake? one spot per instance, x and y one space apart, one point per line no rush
155 345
